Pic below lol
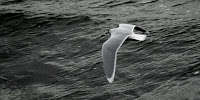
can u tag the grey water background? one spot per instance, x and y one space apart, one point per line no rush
51 49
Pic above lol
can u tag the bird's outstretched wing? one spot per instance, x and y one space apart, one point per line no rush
109 54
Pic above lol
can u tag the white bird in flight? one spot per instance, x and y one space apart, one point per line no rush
111 46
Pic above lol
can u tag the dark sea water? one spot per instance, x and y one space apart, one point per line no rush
51 49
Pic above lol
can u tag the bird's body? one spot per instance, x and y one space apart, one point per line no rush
111 46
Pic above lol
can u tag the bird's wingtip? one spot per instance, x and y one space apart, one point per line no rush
110 80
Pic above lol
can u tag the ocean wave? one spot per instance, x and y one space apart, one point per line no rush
52 49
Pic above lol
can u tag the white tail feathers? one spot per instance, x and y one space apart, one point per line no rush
140 37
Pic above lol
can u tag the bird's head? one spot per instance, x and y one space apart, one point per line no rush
107 32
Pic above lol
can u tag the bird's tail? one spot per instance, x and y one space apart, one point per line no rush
140 37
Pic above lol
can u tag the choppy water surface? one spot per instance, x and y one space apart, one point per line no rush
51 49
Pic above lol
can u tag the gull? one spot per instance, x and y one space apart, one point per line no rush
112 45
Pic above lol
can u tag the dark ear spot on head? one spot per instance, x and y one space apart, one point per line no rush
107 32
